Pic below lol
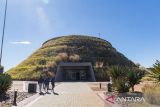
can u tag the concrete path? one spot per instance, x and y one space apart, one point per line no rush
70 95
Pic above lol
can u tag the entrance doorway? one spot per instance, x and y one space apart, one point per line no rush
74 72
77 76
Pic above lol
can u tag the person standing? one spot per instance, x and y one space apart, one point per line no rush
53 83
40 82
46 82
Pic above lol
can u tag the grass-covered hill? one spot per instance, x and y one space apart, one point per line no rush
72 48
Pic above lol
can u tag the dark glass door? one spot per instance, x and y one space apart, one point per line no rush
77 76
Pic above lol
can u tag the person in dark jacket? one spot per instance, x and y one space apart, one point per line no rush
40 82
53 84
46 83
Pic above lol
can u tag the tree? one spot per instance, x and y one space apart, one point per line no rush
134 77
156 71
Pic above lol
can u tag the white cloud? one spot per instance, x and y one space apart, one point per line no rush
21 43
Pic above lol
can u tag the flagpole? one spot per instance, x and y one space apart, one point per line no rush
4 25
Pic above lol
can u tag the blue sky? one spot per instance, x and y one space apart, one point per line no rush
132 26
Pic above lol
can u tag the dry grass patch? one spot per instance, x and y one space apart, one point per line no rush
139 105
152 94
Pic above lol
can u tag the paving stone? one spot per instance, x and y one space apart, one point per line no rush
75 94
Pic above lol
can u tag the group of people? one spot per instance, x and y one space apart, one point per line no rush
43 82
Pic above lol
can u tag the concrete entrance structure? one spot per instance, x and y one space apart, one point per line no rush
75 72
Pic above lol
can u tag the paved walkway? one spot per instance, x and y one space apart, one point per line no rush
70 95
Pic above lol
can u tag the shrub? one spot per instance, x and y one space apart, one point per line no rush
5 83
64 56
120 79
117 72
124 78
1 69
42 61
121 85
99 64
58 59
74 58
51 66
101 74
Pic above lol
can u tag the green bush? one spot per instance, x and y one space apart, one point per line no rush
5 83
134 77
120 79
122 85
125 78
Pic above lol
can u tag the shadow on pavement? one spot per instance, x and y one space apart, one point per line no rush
55 93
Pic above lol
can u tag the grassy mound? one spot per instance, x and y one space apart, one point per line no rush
84 48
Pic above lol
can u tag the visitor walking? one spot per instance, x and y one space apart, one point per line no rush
53 83
46 83
40 82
